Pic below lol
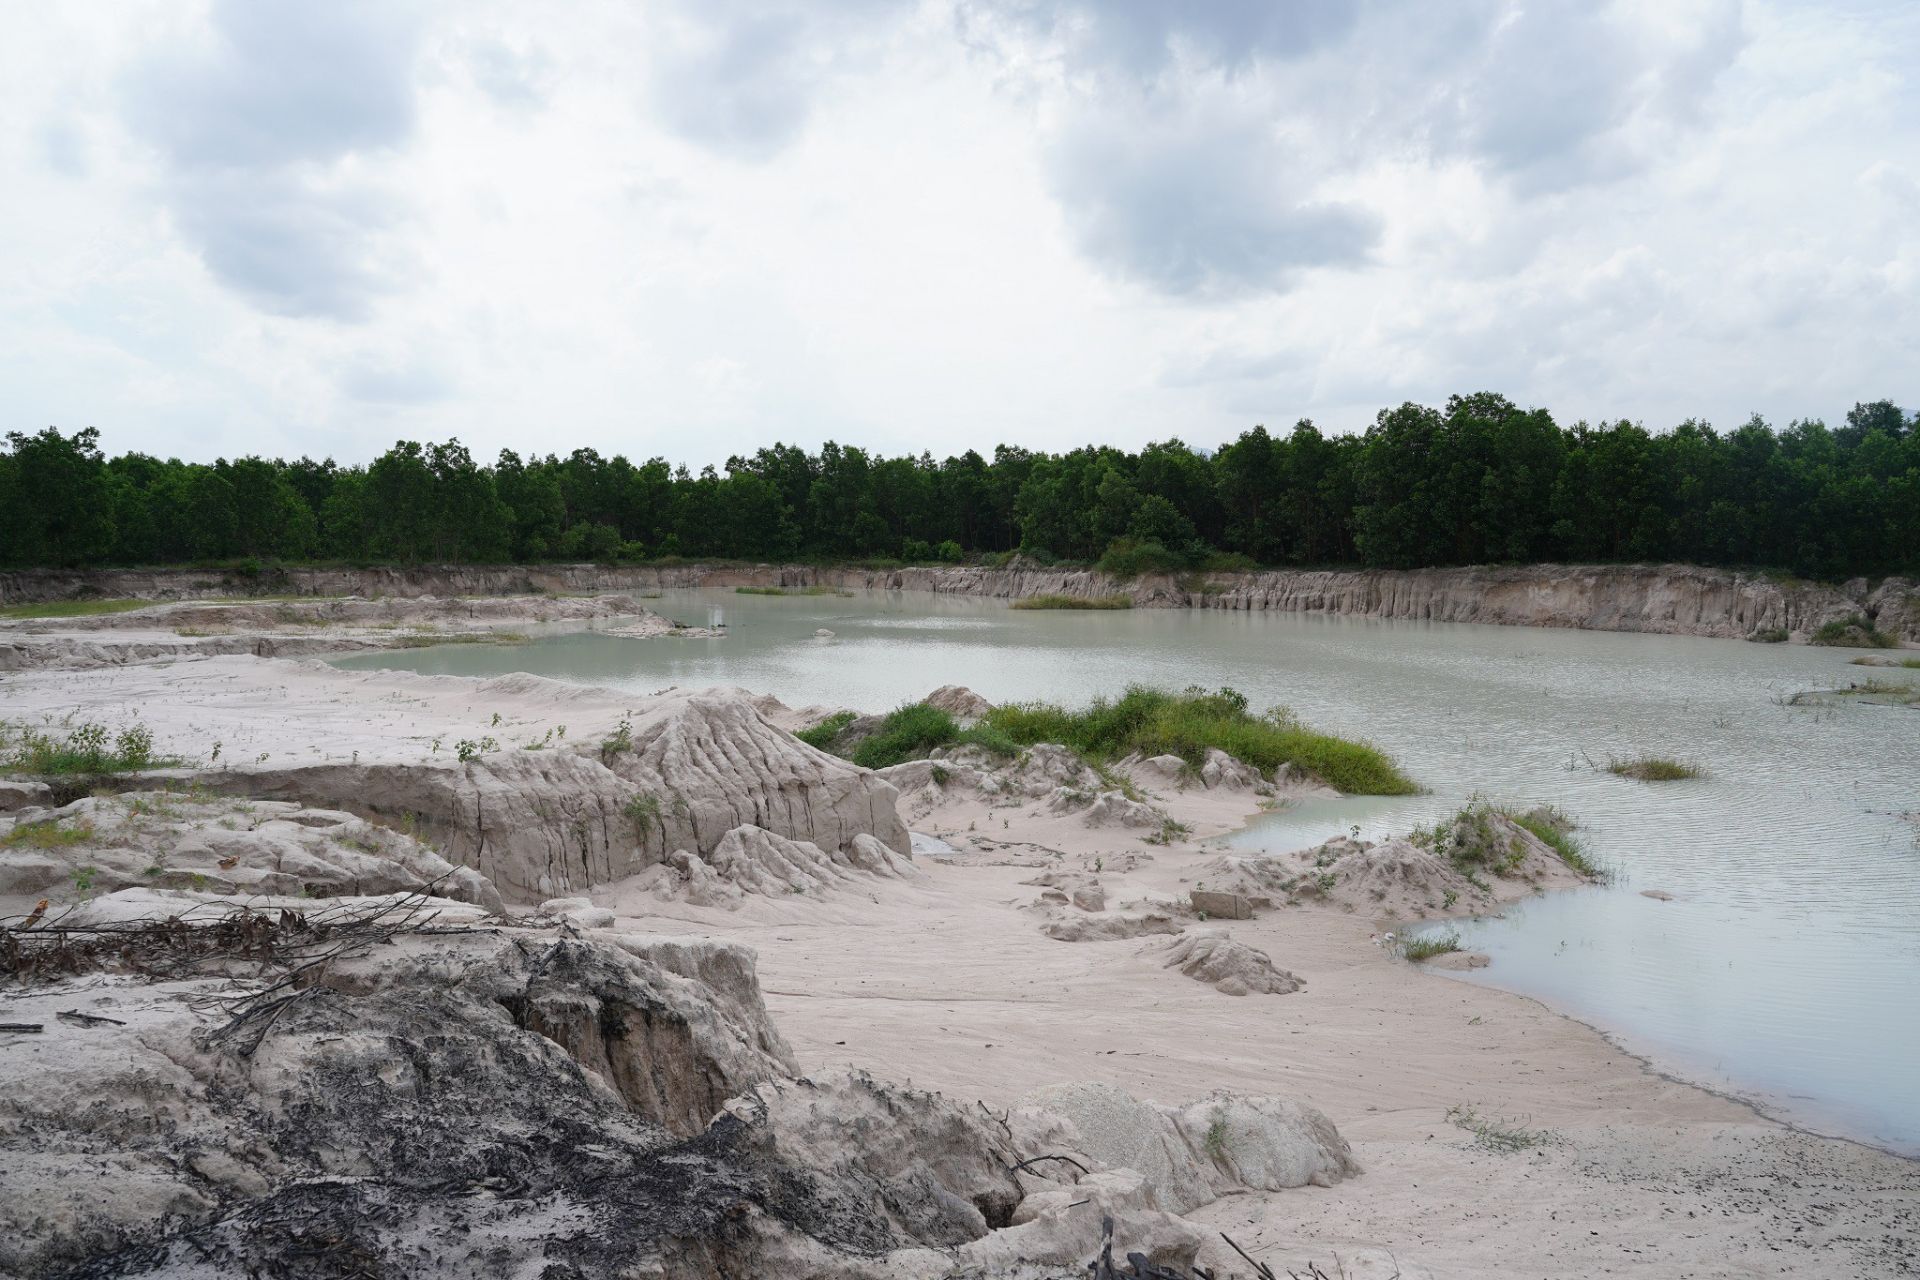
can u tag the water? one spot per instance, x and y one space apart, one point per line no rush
1788 966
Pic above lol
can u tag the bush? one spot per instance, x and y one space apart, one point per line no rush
1153 722
1769 635
913 551
822 735
1853 632
1131 557
85 750
910 732
948 552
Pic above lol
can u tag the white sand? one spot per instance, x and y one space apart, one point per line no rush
946 981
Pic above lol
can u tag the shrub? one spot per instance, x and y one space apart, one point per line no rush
822 735
948 552
1769 635
1227 562
1074 602
1853 632
86 749
913 550
908 733
643 812
1131 557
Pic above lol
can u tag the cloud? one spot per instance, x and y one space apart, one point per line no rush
1201 204
741 76
257 121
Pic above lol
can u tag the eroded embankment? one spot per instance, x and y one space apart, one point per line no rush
1664 599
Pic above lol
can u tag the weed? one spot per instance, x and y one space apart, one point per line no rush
643 812
470 749
619 741
47 835
1496 1135
1216 1140
85 750
939 774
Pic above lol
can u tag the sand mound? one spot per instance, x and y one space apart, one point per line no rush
166 840
1229 967
1081 889
750 862
1106 926
1189 1155
680 773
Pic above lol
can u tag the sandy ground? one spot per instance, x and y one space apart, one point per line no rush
946 981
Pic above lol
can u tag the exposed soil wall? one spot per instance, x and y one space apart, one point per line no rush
1667 599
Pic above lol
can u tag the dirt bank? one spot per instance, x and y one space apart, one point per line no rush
1665 599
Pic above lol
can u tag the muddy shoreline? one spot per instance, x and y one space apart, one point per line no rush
1658 599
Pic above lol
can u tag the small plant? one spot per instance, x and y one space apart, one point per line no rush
83 880
1655 769
496 721
619 741
1496 1135
1448 898
1427 945
1216 1140
644 813
215 757
1169 832
939 774
1325 881
470 749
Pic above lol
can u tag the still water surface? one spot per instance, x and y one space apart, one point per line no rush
1786 969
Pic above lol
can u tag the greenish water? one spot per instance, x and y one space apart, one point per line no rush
1788 966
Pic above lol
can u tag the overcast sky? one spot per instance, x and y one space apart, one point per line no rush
692 227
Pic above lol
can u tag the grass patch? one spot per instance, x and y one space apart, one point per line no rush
908 733
821 736
1073 602
71 608
1555 830
1769 635
46 835
1911 664
792 591
1428 945
1496 1135
1153 722
1853 632
1655 769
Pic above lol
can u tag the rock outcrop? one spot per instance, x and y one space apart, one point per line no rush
685 771
164 839
1106 926
1189 1155
750 862
1668 599
959 702
1229 967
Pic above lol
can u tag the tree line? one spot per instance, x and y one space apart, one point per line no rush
1478 481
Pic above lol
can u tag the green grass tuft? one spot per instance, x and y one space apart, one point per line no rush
1655 769
1555 830
71 608
46 835
1428 945
1073 602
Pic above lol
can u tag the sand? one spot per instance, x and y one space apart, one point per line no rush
944 979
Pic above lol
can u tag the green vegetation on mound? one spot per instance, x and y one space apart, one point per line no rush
1655 769
1477 838
71 608
1074 602
1852 633
1141 721
1911 664
1769 635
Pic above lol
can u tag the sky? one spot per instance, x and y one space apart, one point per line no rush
690 228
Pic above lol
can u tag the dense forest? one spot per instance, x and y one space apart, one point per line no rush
1480 481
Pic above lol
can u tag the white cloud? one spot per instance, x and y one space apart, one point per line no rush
691 229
